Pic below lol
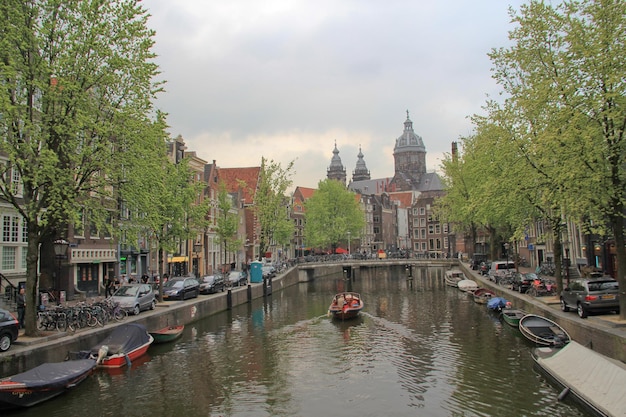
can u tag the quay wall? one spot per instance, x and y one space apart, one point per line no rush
593 332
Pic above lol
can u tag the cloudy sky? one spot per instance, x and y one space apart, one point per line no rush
286 79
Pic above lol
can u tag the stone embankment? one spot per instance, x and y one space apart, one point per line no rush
605 334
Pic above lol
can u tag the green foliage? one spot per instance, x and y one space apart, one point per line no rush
227 220
270 204
77 82
330 214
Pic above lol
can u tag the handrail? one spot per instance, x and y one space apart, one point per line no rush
10 289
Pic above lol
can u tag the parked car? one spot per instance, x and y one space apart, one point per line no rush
181 288
591 296
237 278
500 269
135 298
522 282
211 284
268 271
9 329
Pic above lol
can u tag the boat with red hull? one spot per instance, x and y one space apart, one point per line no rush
43 382
346 305
125 344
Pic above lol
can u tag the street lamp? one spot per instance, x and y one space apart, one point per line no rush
60 250
197 248
506 248
349 252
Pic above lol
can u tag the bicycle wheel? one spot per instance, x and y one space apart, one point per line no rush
62 323
119 314
41 321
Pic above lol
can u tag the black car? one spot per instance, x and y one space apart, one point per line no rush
522 282
211 284
181 288
9 328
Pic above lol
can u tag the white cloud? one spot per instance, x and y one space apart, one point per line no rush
286 79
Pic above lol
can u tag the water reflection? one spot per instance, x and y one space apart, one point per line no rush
420 348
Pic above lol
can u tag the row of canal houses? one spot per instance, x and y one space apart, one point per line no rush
398 212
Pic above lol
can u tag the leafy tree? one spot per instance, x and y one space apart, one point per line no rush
331 213
270 204
74 75
227 221
566 78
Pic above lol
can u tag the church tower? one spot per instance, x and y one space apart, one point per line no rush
336 171
409 156
361 172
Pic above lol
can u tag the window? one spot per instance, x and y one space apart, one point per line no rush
431 244
438 228
422 211
10 229
438 244
423 222
423 233
445 242
24 253
445 227
24 232
424 246
79 227
376 229
8 258
431 229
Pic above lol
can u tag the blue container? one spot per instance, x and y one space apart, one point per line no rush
256 272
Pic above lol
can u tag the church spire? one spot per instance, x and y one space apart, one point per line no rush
360 172
336 171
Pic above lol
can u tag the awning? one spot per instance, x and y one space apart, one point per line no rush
178 259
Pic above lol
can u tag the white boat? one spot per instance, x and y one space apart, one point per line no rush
595 381
466 285
453 276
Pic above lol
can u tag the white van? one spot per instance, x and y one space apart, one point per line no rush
499 269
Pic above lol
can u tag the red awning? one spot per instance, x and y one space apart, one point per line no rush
341 250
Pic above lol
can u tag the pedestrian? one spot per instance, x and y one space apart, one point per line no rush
109 285
21 307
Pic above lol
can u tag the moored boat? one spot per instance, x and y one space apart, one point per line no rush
43 382
453 276
482 295
543 331
345 305
466 285
125 344
512 316
591 379
167 334
496 304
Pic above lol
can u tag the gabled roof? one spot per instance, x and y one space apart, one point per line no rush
369 187
245 180
304 193
404 198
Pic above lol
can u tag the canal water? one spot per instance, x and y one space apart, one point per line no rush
420 349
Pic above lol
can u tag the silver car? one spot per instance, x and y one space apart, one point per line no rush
134 298
591 296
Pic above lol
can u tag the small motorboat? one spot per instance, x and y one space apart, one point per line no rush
167 334
512 316
466 285
482 295
125 344
543 331
453 276
43 382
496 304
345 305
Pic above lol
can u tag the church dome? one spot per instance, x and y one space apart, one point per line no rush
409 140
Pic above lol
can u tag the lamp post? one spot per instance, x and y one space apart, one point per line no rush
349 252
197 248
60 250
506 248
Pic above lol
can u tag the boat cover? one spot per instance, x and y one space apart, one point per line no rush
595 378
124 339
496 303
54 374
